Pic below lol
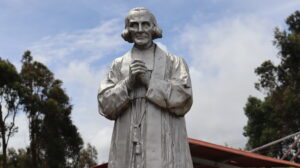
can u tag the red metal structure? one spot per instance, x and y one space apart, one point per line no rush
208 155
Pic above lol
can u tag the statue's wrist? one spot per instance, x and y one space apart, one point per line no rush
129 83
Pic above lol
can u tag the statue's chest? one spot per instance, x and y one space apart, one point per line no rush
146 56
155 62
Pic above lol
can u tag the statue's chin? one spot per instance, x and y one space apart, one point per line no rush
142 44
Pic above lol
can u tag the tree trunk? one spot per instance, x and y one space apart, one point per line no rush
4 145
33 143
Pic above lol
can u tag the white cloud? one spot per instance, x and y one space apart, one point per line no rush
102 140
223 56
21 138
80 73
86 45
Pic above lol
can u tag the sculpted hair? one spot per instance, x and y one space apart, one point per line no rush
156 31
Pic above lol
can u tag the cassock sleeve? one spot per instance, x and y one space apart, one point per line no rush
113 93
175 93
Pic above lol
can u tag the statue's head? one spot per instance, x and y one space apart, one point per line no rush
141 27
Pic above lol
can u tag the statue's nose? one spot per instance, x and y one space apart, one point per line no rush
140 28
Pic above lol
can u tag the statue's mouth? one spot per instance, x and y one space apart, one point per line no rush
141 35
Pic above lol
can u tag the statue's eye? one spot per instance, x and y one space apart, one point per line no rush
134 25
146 25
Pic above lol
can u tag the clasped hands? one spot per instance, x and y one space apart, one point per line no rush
138 73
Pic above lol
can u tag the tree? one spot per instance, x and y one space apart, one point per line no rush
36 79
278 114
9 98
54 139
88 157
65 145
17 159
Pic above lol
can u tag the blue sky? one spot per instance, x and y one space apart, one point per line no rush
222 41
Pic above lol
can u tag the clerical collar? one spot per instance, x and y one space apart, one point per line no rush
146 55
138 48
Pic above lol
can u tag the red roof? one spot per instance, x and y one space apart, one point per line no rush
218 153
208 155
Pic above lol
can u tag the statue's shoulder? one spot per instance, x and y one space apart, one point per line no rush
174 59
119 60
169 56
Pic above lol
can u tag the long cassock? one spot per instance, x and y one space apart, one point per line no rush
149 129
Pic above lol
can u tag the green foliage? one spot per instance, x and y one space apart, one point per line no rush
278 114
55 141
10 90
88 157
36 80
8 74
18 159
65 141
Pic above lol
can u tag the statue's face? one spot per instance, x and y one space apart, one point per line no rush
140 28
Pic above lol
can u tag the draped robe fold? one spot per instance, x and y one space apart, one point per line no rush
149 129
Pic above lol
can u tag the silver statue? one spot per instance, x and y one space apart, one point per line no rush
147 92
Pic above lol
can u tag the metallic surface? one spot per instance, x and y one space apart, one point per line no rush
147 92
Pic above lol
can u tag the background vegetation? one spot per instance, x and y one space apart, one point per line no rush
54 140
278 114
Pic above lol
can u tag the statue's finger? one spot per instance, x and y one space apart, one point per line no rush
138 61
139 68
137 64
138 71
